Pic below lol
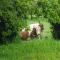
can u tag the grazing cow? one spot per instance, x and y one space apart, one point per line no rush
24 34
35 30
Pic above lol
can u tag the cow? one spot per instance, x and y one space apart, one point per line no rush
39 28
26 34
35 31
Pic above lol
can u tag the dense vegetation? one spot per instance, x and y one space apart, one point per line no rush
31 50
15 13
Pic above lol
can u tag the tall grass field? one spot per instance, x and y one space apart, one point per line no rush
45 49
37 49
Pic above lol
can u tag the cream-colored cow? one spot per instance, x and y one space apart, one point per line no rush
38 28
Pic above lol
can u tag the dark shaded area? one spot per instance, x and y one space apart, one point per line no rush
33 33
56 31
7 31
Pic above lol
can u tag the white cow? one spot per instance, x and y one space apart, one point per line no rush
36 25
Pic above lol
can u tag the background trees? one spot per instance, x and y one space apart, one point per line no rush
14 14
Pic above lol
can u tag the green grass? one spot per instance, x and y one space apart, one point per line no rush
44 49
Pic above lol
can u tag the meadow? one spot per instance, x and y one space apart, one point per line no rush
46 48
17 14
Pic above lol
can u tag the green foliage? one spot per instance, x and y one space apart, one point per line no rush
9 19
50 10
46 49
13 16
14 13
7 29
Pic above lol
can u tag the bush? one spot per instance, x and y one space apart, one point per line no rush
7 29
10 22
